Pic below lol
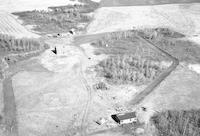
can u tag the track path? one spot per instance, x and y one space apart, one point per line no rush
10 120
88 104
88 88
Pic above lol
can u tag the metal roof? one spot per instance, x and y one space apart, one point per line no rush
123 116
128 115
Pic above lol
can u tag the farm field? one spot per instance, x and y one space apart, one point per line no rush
110 3
25 5
10 26
182 18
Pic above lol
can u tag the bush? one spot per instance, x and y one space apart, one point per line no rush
100 86
177 123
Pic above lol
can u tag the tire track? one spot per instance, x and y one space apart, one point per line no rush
88 103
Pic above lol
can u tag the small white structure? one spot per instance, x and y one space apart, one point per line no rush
125 118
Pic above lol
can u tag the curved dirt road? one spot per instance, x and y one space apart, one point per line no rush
88 103
83 79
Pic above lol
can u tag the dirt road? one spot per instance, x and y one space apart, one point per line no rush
87 87
88 103
10 120
160 78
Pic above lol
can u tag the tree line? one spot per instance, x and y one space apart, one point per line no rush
12 44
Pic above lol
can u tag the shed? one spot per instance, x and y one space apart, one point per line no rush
54 50
125 118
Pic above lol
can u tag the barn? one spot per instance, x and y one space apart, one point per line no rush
125 118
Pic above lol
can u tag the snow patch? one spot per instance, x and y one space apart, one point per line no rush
27 5
194 67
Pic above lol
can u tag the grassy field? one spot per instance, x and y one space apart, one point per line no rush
108 3
59 19
125 42
177 123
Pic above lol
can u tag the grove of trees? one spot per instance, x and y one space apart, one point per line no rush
177 123
128 69
11 44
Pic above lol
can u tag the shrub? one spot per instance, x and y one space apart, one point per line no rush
100 86
177 123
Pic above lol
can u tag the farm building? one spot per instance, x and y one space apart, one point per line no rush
125 118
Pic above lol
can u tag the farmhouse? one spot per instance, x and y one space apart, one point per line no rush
125 118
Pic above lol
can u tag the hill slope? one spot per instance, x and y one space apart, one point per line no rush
108 3
10 26
183 18
25 5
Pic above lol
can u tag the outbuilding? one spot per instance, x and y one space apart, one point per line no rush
125 118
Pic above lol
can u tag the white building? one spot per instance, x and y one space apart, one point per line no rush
125 118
